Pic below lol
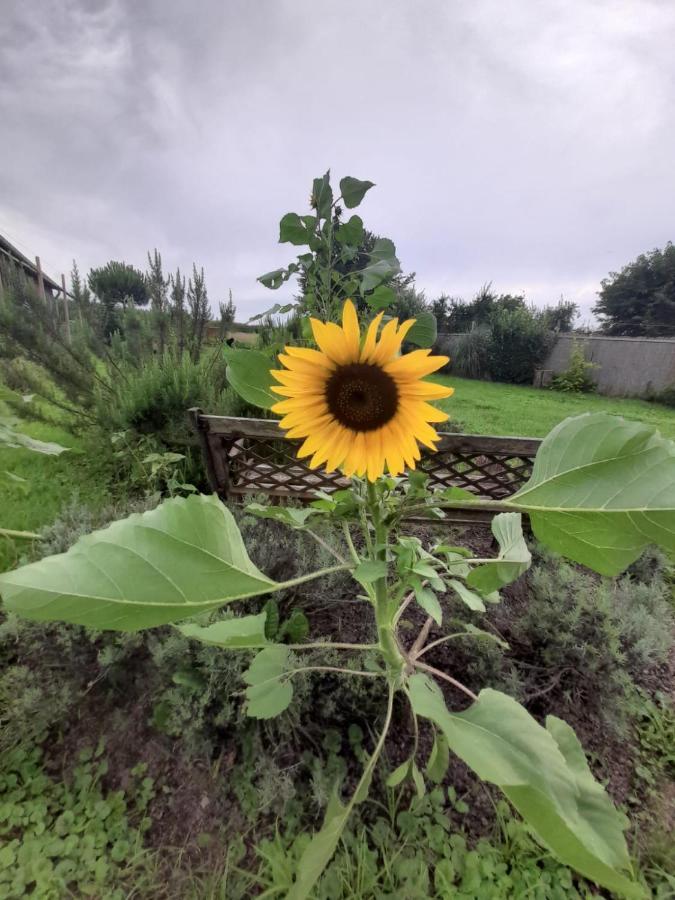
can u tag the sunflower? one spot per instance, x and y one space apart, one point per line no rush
360 405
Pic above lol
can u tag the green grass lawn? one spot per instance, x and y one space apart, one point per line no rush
52 482
484 407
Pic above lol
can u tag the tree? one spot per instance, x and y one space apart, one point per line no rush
178 309
640 299
228 311
80 291
157 289
198 303
117 284
561 316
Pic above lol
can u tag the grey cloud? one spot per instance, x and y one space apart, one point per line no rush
527 144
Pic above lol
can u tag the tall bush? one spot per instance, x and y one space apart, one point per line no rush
519 342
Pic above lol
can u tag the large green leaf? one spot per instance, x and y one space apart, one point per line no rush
320 849
288 515
268 692
544 774
296 230
322 195
183 558
350 232
248 372
10 437
602 489
513 559
238 633
353 191
424 331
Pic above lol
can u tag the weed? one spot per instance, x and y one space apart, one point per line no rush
61 838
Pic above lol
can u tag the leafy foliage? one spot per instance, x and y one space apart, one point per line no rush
577 377
343 260
602 489
640 299
518 343
142 571
117 284
59 839
544 774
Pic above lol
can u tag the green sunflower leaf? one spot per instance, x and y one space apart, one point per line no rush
183 558
544 774
514 558
241 632
268 692
353 191
424 331
602 489
248 372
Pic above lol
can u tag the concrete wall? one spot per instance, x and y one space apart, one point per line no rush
628 367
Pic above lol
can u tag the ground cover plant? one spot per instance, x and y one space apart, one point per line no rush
600 492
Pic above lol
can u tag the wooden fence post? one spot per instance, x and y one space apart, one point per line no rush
41 281
65 308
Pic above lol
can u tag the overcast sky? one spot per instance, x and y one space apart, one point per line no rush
527 143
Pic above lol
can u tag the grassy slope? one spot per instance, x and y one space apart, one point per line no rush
483 407
53 482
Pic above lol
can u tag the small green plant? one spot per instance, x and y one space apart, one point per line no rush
419 854
295 627
577 378
66 838
654 724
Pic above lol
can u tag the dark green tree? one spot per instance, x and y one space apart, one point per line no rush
178 312
198 304
228 312
157 286
117 284
561 316
640 299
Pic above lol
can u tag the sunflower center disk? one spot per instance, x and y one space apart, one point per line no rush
361 396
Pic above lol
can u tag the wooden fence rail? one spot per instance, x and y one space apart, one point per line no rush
252 456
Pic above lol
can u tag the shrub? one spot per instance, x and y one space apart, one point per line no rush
469 353
666 396
518 343
578 641
577 377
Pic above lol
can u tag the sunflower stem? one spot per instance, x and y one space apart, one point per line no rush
384 618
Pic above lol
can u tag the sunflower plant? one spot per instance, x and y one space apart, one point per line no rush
601 490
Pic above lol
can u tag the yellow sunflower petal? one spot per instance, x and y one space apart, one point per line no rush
415 365
375 457
424 410
424 390
371 337
386 346
392 452
340 448
389 346
318 439
351 330
308 355
332 341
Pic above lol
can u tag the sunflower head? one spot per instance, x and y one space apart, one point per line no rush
359 404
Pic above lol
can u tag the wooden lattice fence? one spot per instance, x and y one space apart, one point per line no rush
251 456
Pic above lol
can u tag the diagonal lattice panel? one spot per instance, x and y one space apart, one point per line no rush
251 456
